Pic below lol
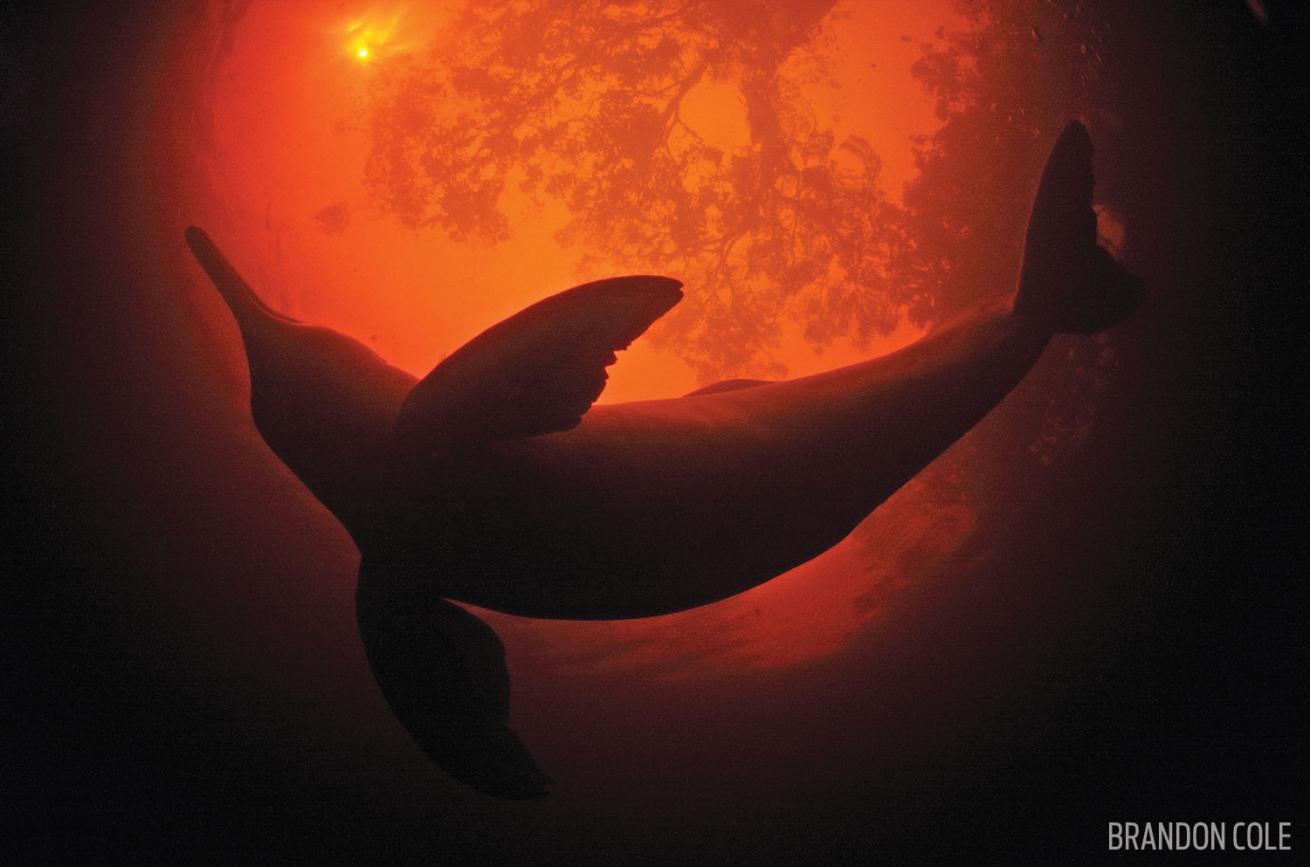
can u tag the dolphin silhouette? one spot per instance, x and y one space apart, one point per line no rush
494 481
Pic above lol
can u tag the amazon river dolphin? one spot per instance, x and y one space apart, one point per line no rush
494 481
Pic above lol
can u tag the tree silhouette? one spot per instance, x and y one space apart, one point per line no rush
1002 86
581 103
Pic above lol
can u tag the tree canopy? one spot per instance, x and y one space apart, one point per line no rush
581 102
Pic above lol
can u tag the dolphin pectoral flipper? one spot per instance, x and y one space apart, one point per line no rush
442 671
538 371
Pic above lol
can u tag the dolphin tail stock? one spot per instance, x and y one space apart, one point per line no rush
1068 282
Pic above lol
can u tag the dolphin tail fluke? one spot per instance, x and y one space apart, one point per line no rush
443 673
1069 282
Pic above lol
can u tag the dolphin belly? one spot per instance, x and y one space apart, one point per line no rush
656 506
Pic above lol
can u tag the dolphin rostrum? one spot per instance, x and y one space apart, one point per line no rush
494 481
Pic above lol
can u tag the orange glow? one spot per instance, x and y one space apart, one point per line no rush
292 207
278 170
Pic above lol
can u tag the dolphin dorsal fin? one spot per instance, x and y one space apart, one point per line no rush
538 371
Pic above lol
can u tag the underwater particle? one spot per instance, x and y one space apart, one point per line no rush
334 218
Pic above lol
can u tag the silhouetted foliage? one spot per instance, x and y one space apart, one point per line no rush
1000 91
580 103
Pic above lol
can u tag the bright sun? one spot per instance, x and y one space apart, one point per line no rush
365 38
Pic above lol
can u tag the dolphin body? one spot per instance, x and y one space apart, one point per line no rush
493 481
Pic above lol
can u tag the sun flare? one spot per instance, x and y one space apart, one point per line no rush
368 38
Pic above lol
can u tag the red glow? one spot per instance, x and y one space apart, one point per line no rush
291 139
